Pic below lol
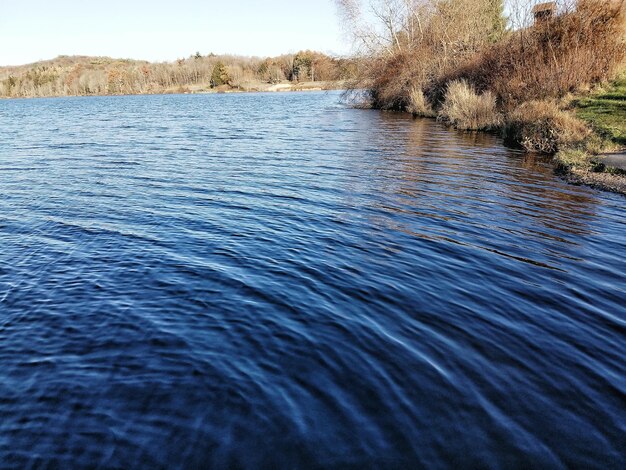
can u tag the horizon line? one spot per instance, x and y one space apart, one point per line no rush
333 54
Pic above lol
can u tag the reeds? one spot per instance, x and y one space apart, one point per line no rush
467 110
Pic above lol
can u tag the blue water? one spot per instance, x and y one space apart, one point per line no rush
281 281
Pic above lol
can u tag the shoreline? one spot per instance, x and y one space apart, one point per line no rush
257 88
609 181
597 180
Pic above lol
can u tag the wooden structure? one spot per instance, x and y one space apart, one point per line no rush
544 11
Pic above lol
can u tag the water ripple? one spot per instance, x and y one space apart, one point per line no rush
281 281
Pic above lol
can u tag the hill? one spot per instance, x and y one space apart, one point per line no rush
84 76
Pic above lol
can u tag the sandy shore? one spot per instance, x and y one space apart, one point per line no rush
260 87
256 87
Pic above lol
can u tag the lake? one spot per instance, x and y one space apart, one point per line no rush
278 280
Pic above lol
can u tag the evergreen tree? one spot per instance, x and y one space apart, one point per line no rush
219 76
302 66
498 19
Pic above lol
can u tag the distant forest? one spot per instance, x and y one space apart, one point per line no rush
82 76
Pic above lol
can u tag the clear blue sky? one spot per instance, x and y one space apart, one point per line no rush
158 30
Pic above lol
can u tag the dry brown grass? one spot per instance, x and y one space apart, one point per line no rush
541 126
467 110
419 105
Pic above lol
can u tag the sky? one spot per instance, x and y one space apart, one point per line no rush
158 30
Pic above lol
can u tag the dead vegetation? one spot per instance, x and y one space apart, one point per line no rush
579 48
415 43
541 126
465 63
428 44
465 109
418 104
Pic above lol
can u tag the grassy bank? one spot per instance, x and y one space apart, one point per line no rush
605 111
585 131
601 159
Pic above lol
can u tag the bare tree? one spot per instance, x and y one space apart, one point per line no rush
391 26
379 25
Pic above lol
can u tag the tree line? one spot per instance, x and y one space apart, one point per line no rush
83 76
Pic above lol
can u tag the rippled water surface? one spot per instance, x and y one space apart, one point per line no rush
279 280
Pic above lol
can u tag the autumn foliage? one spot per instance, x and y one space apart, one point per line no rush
80 76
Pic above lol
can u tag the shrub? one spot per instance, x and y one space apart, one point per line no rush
467 110
219 76
392 78
418 104
540 126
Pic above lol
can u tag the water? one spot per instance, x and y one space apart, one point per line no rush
279 280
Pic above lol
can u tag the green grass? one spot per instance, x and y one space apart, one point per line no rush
605 110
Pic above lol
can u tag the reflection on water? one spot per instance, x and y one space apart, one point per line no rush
278 280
